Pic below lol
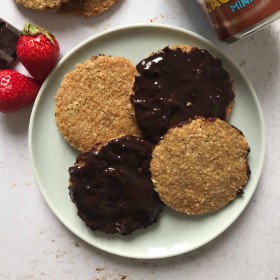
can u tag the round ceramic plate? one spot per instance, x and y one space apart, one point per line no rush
51 155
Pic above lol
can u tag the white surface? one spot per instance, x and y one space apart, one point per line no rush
35 245
51 154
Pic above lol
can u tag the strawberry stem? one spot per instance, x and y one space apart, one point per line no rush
33 30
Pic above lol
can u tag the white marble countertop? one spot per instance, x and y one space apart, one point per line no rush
35 245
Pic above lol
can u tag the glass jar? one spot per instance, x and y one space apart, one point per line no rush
233 19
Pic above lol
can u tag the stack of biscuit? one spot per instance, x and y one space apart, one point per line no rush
179 100
83 8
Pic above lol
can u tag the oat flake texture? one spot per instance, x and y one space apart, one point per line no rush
87 8
92 103
201 166
42 5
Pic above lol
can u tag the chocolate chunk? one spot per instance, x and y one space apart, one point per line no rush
9 36
174 85
112 188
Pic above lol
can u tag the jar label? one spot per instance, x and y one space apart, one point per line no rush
230 17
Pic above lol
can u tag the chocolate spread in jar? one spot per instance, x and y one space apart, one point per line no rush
174 85
233 19
112 187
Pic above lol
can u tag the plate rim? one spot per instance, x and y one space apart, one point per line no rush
170 28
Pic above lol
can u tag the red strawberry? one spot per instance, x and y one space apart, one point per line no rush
38 50
16 91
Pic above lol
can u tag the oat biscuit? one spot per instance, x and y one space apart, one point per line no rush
112 187
87 8
179 83
201 166
43 5
92 103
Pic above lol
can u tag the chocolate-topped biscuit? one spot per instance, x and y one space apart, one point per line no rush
177 84
112 187
199 167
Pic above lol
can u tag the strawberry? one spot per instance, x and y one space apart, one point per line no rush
16 91
38 50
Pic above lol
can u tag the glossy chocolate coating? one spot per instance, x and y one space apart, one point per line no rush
9 36
173 86
112 188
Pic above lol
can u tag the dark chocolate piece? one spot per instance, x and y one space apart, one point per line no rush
174 86
112 188
9 36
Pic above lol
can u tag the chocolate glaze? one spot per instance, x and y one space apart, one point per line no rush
173 86
112 188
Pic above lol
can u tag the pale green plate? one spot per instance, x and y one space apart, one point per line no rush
51 156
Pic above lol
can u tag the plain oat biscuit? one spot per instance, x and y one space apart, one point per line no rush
43 5
92 103
201 166
87 8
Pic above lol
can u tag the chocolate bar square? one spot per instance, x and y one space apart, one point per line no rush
9 36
